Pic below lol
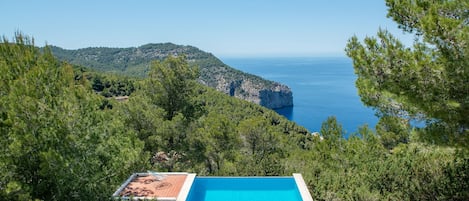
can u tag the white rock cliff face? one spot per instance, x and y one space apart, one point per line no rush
278 97
273 97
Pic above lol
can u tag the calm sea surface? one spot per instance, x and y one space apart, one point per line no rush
321 87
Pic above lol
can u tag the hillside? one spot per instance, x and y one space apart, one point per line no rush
57 130
213 73
63 141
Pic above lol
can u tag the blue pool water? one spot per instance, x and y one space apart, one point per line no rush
244 189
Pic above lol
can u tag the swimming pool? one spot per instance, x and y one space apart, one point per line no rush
244 189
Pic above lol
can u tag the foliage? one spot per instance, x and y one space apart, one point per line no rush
361 168
171 85
106 84
393 131
429 81
56 143
215 143
262 150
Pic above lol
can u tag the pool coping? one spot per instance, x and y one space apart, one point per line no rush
186 187
242 177
304 191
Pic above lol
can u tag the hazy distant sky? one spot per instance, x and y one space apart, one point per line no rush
222 27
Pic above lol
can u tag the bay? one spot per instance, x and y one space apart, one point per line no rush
321 86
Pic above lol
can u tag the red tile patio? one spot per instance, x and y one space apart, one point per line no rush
150 186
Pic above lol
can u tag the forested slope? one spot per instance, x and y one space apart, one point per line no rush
62 141
136 61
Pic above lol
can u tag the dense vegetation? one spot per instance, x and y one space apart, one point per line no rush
56 144
63 141
136 61
105 83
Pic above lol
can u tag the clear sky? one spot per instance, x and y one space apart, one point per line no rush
226 28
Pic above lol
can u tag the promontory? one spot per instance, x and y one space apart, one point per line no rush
135 61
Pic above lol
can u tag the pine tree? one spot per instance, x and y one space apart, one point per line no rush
429 81
57 144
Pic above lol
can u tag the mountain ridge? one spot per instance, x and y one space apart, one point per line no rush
135 61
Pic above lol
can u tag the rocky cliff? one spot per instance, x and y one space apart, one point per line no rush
213 72
274 96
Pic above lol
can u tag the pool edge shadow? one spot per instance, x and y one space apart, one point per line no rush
304 191
186 187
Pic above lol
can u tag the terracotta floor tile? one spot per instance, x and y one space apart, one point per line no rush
150 186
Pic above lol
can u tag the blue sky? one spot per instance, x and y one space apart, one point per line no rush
236 28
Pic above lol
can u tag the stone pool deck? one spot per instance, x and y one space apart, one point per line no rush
163 186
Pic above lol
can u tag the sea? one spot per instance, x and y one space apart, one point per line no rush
321 86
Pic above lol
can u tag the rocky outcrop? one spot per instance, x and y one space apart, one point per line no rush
277 97
214 73
273 96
